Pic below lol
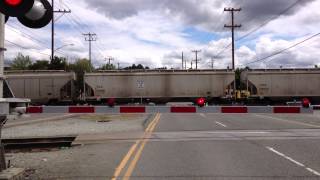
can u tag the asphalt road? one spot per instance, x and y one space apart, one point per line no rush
225 146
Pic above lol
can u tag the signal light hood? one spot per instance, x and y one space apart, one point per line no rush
39 16
15 8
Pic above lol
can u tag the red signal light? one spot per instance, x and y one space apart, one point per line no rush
305 102
111 102
201 102
13 2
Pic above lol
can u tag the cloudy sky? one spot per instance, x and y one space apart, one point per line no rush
156 32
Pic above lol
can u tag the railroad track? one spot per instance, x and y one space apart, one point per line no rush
27 144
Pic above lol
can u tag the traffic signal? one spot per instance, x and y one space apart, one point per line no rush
31 13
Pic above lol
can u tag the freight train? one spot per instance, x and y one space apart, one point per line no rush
267 86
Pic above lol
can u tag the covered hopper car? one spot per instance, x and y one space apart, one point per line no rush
158 86
283 85
42 87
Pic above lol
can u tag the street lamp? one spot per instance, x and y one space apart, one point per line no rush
63 47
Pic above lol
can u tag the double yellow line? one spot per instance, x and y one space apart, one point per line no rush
136 154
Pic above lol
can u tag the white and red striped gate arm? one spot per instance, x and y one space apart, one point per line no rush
167 109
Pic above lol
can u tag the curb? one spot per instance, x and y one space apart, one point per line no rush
56 118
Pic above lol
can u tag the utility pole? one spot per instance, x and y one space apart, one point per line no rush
185 64
118 66
109 59
90 37
52 26
233 26
182 61
212 63
197 60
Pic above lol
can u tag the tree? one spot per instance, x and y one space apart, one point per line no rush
108 67
58 63
133 67
80 68
21 62
40 65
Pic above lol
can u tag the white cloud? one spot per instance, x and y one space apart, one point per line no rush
153 32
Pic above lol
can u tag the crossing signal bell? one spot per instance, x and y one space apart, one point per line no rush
31 13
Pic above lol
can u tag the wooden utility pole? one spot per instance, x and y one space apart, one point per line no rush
232 26
182 58
90 37
109 59
53 26
212 63
197 60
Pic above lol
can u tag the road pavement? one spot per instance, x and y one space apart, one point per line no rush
189 146
226 146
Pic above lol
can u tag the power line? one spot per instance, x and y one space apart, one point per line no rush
15 44
268 21
77 21
283 50
257 28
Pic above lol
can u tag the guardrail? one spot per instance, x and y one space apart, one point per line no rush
167 109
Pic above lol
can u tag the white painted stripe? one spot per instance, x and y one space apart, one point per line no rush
313 171
294 161
204 116
219 123
286 120
286 157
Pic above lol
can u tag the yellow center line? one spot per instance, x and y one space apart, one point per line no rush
124 161
128 156
136 158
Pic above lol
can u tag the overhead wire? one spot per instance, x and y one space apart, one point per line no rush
38 42
283 50
268 21
259 27
78 22
17 45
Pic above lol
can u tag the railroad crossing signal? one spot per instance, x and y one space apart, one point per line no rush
31 13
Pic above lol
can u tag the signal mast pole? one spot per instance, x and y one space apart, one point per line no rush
2 49
2 116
